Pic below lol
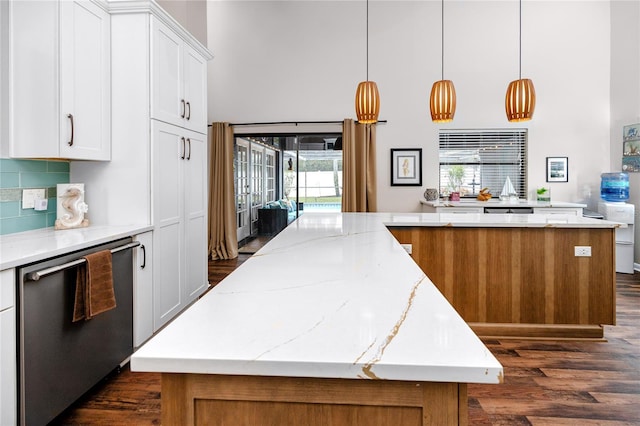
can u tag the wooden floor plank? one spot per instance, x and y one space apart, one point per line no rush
546 382
554 421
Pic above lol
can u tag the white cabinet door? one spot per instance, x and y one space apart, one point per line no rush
85 92
143 289
195 216
195 90
167 101
59 72
180 219
168 145
552 210
178 77
8 401
8 387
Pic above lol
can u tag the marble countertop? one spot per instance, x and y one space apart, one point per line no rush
481 220
498 203
33 246
332 296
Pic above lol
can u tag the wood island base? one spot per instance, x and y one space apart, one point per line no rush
521 282
208 399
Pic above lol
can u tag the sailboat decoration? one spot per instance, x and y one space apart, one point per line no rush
508 191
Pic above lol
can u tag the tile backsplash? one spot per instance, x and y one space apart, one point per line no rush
16 175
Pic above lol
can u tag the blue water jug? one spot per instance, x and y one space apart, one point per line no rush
614 187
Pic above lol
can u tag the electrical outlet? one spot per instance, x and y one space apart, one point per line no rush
407 247
29 197
583 251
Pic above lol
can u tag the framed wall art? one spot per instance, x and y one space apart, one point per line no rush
406 167
557 169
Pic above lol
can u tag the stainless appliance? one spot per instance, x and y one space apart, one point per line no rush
623 213
59 360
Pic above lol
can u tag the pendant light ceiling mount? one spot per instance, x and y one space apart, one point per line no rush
442 101
520 100
367 95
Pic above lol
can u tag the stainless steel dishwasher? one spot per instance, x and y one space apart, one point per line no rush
59 360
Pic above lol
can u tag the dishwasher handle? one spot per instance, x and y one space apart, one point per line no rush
35 276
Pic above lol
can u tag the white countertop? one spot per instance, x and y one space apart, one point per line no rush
481 220
334 296
498 203
33 246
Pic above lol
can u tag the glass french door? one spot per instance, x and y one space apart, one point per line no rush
270 175
241 181
255 177
257 184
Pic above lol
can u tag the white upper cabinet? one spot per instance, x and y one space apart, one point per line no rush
59 80
178 80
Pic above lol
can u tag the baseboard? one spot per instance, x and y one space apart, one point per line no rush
537 331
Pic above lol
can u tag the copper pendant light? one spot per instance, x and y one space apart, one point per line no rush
520 101
442 101
367 96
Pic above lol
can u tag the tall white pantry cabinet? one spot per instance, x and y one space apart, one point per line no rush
158 172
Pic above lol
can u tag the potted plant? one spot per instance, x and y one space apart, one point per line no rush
543 194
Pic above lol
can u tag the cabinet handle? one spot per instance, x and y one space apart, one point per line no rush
144 256
183 108
70 117
188 111
184 148
189 156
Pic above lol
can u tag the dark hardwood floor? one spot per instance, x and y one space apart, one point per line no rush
546 382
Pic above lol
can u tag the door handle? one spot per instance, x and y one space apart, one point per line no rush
144 256
189 155
183 108
70 117
184 147
188 110
35 276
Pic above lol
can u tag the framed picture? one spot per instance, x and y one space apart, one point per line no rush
406 167
557 169
631 164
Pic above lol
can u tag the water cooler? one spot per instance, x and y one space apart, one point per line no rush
614 191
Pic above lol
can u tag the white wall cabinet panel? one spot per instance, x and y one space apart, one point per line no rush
195 90
59 80
168 147
178 80
195 192
180 219
8 387
143 289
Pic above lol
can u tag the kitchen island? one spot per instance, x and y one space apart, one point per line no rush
520 275
330 323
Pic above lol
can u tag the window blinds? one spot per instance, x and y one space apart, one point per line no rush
474 159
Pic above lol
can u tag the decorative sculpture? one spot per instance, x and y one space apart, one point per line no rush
71 207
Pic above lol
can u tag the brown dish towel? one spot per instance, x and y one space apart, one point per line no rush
94 286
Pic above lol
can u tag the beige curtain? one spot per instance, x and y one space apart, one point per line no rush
359 192
223 237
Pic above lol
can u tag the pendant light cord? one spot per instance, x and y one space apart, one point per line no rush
367 40
520 44
442 38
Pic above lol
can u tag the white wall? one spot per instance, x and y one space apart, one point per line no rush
4 80
625 90
288 61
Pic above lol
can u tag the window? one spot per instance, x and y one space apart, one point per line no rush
474 159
